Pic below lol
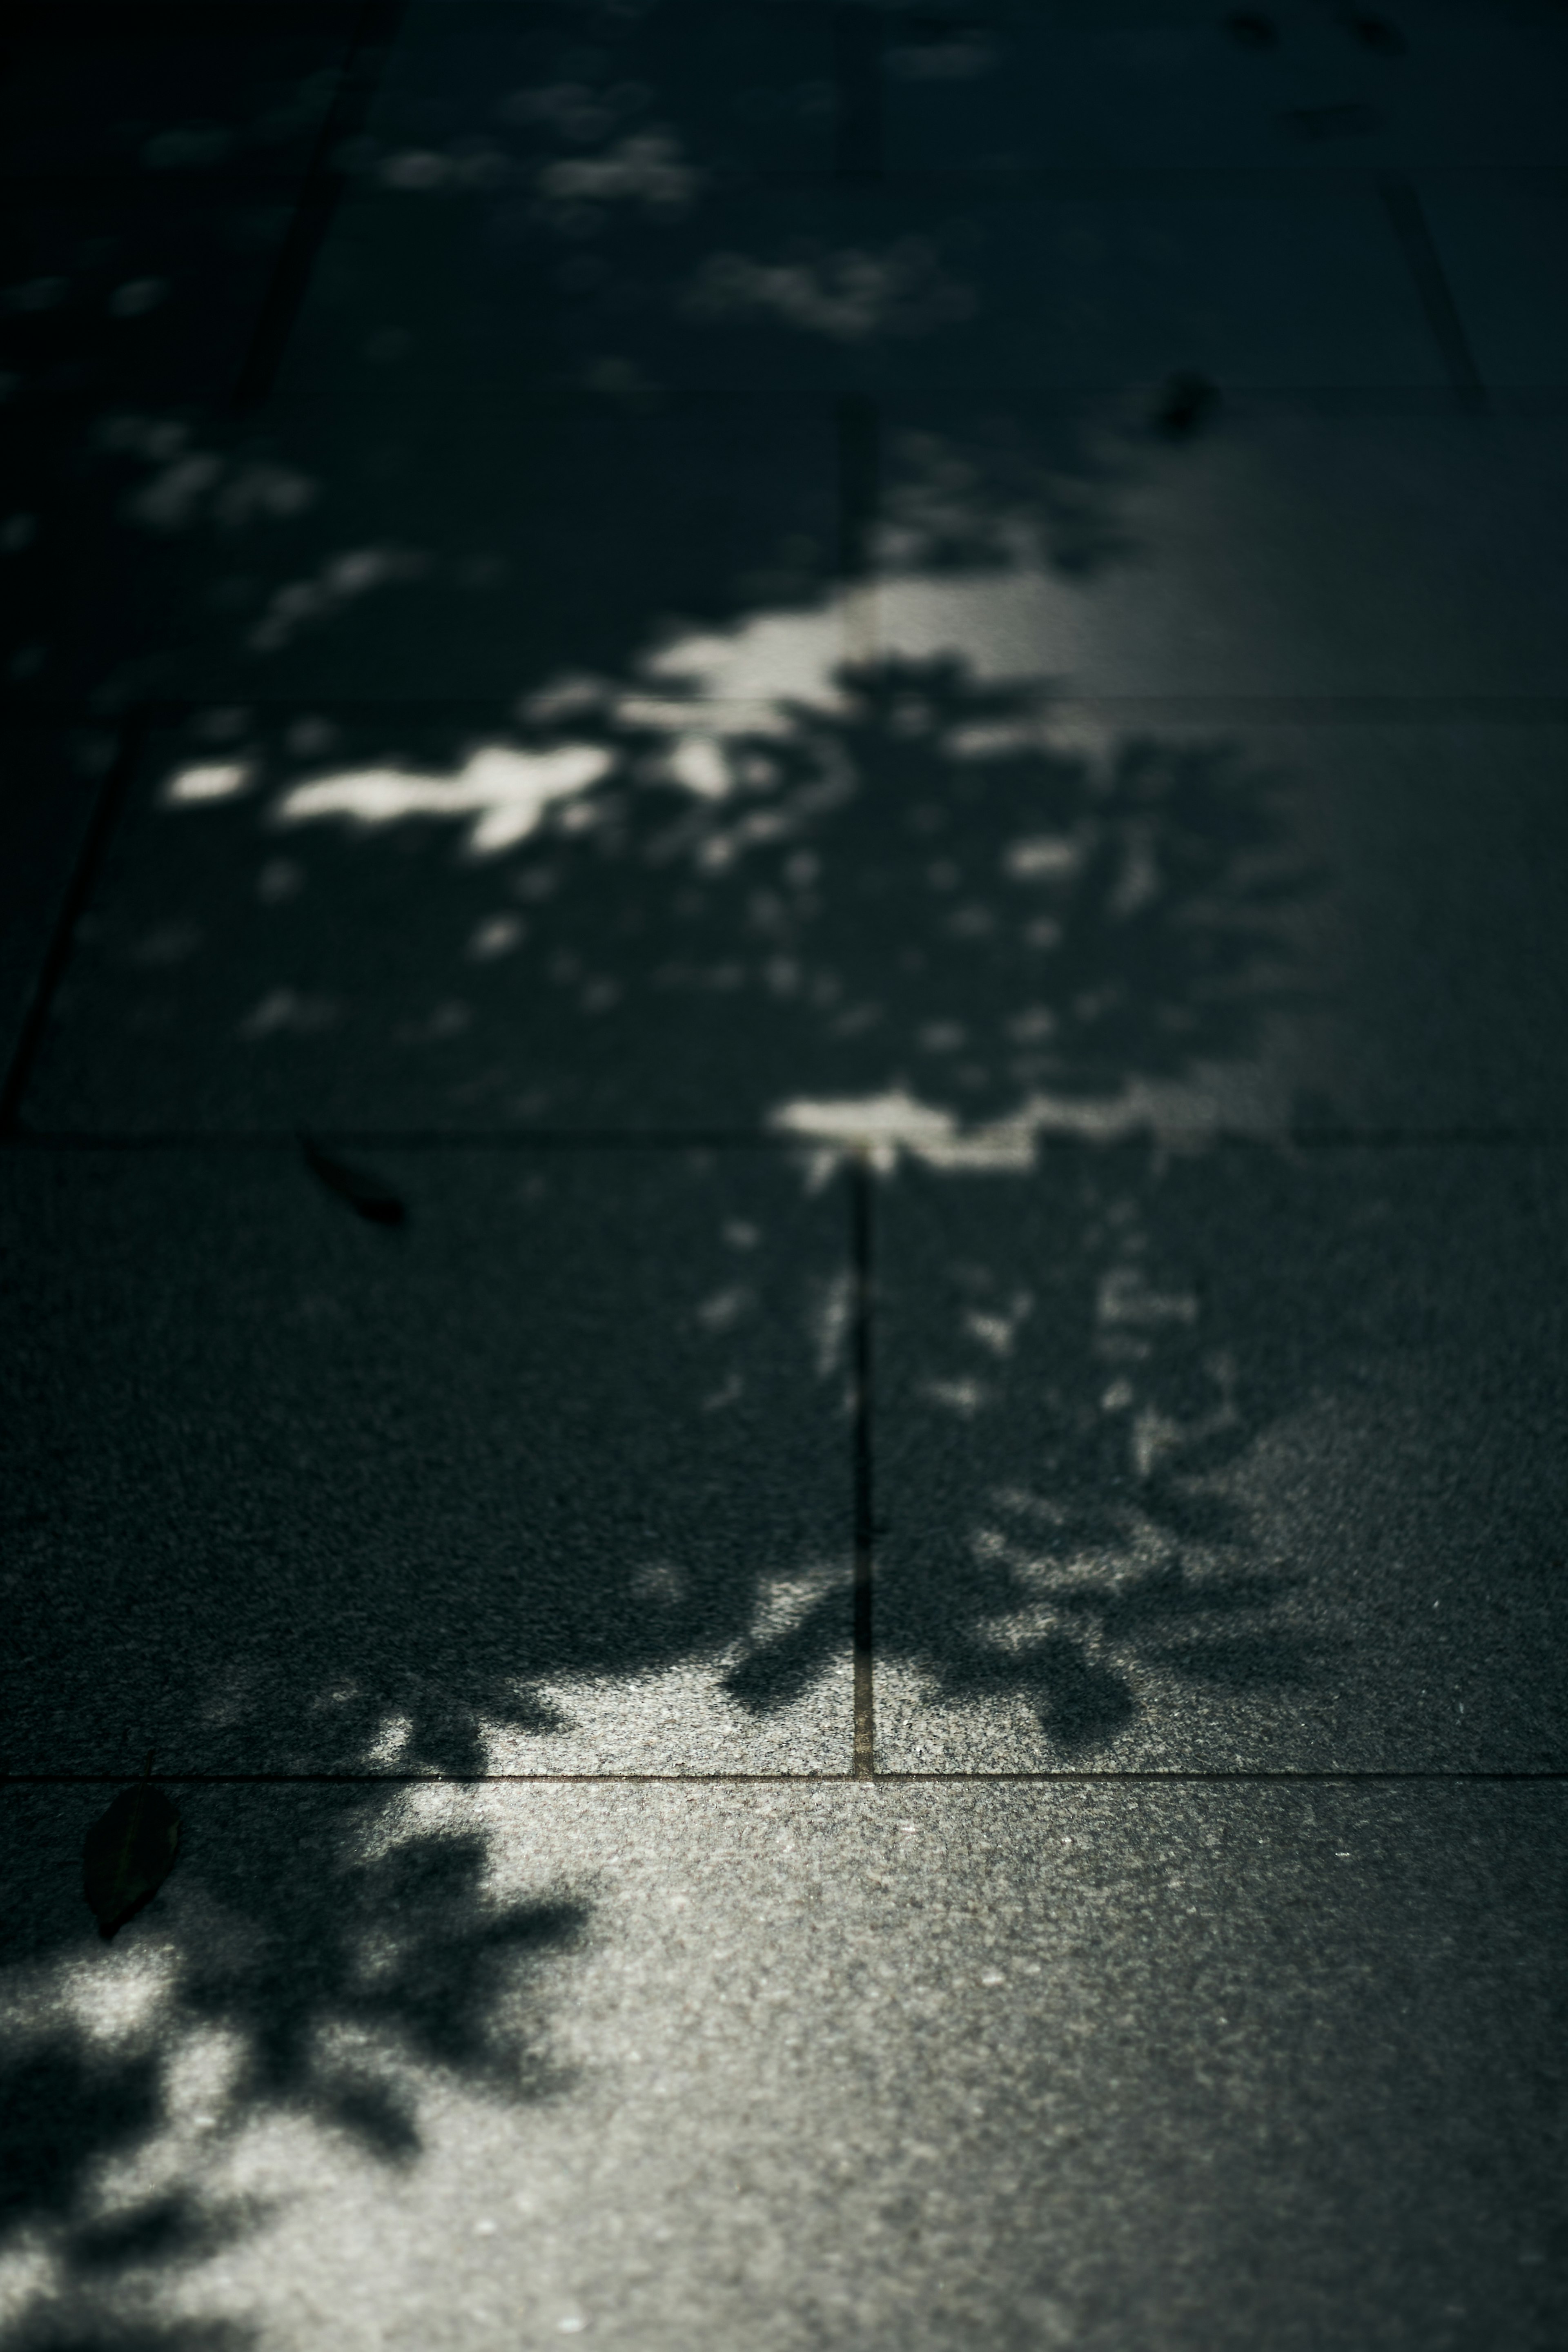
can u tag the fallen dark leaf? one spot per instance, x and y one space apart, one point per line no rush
366 1194
128 1852
1377 33
1187 401
1250 30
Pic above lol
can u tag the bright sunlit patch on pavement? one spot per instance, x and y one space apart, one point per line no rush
215 780
505 793
879 1128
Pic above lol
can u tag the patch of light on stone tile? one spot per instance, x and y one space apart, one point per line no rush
770 659
209 781
1175 1111
682 1718
111 2001
846 295
202 2072
390 1745
28 2269
964 1397
498 935
503 794
1045 858
698 762
285 1010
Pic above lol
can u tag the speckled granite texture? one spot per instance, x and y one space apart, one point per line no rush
782 1127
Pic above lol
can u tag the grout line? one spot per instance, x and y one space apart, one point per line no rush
1416 1777
857 75
857 436
1501 1138
860 1209
110 801
1409 224
313 216
1329 709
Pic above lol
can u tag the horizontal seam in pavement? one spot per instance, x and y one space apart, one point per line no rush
1414 709
745 1139
1419 1777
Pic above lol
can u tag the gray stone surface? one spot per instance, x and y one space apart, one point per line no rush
664 593
1179 2066
1241 1460
556 1477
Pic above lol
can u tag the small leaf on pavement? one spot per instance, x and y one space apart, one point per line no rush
128 1853
1188 402
366 1194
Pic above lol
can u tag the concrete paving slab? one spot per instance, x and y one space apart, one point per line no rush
1229 1461
1312 89
1184 2066
553 1477
941 908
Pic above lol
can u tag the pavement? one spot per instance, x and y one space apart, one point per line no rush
781 991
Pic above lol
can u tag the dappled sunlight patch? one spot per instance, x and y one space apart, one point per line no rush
341 580
776 1692
850 294
206 781
647 168
188 485
289 1011
504 793
881 1129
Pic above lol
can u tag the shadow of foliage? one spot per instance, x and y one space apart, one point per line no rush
338 1957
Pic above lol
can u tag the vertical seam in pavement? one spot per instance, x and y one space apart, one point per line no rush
79 889
865 1744
857 74
1408 221
313 216
858 429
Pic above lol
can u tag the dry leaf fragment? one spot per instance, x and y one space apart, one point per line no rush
366 1194
1188 402
128 1852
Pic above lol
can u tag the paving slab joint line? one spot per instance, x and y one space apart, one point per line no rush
376 28
1421 1778
1408 221
113 794
860 1212
1335 1139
